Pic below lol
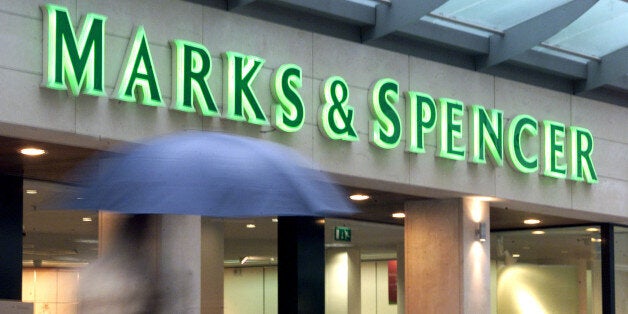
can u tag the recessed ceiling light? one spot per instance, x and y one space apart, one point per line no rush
516 255
531 221
32 151
538 232
359 197
592 229
87 219
250 226
596 240
399 215
31 191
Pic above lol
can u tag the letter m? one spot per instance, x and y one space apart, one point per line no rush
80 61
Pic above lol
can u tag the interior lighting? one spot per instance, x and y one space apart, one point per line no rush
399 215
253 259
538 232
359 197
515 255
87 219
31 191
596 240
250 226
531 221
592 229
32 151
275 220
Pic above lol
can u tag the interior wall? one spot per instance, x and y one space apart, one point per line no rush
375 289
53 291
249 289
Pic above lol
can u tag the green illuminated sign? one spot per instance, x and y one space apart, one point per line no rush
139 73
449 129
420 118
342 234
336 115
192 66
520 126
80 62
77 64
486 134
386 125
289 112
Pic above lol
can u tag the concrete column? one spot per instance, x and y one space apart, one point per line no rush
401 262
342 281
11 222
180 264
212 257
162 253
446 269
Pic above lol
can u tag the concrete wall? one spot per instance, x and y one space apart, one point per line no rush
28 110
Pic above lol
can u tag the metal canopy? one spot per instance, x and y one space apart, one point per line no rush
574 46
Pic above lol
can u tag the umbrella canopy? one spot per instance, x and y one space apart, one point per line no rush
211 174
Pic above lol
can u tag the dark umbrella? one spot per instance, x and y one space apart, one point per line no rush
211 174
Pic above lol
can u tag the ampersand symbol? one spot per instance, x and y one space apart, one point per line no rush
336 116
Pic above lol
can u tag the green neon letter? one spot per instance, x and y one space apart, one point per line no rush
191 66
386 125
553 142
580 162
139 72
335 115
82 62
420 118
486 133
289 111
449 129
241 100
519 125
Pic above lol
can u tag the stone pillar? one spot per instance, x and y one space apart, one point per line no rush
342 281
212 257
446 269
180 264
301 271
11 223
401 262
164 254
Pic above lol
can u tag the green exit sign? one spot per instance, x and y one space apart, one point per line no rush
342 234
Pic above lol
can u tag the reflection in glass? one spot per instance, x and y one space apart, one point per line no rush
558 271
621 270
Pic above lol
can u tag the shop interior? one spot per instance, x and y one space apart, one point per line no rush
539 262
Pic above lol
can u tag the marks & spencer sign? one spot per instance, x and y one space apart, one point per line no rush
75 61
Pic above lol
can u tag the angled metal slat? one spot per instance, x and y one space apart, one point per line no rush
447 36
233 5
532 32
399 13
553 64
349 11
611 70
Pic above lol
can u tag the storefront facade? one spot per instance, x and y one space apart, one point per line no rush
91 74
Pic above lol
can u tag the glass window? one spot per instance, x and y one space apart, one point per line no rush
621 270
553 270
